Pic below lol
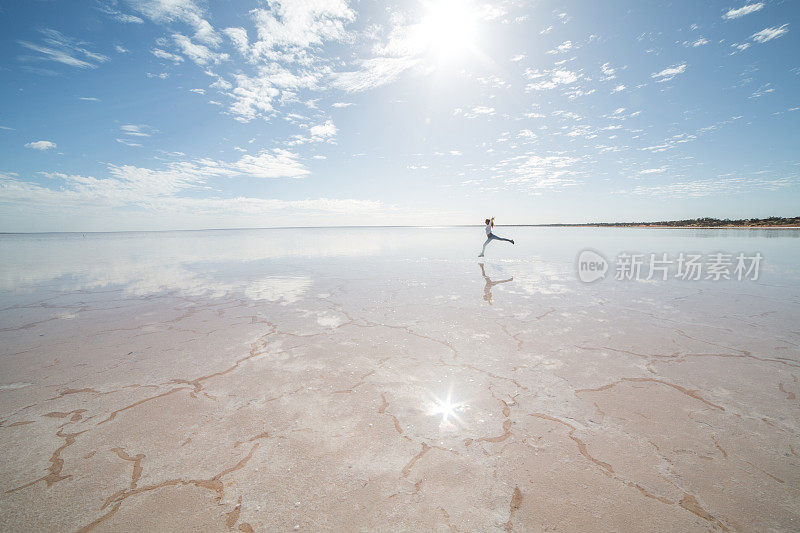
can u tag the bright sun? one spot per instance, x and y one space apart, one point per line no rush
449 28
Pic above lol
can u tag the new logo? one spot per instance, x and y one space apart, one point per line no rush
591 266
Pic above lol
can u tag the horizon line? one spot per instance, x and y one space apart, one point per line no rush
660 224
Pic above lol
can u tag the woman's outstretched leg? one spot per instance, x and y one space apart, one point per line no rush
488 240
502 239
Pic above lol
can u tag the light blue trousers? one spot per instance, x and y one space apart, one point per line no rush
490 238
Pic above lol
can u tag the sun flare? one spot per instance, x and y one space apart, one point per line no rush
444 408
447 409
449 28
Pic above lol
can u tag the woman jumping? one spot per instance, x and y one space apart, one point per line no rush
491 236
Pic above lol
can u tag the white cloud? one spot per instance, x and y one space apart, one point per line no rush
119 16
696 43
131 19
618 89
135 130
197 91
342 104
163 54
742 11
299 24
255 96
87 192
319 133
536 172
252 97
276 164
563 47
238 37
323 131
669 73
285 78
517 58
221 84
373 73
764 89
714 187
495 82
550 79
65 50
739 47
205 33
120 49
575 92
653 170
128 184
767 34
475 112
127 142
88 99
686 137
41 145
165 189
200 54
186 11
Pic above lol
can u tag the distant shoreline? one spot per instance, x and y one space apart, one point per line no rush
698 223
599 226
648 226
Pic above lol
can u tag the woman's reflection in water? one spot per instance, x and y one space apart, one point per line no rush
487 290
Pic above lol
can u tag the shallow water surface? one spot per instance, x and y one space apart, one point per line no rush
389 379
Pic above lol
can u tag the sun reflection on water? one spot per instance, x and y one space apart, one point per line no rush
448 409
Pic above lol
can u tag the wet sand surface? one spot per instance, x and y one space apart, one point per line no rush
385 380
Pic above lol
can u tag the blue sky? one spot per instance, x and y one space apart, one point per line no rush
184 114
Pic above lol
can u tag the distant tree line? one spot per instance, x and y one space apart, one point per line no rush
705 222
